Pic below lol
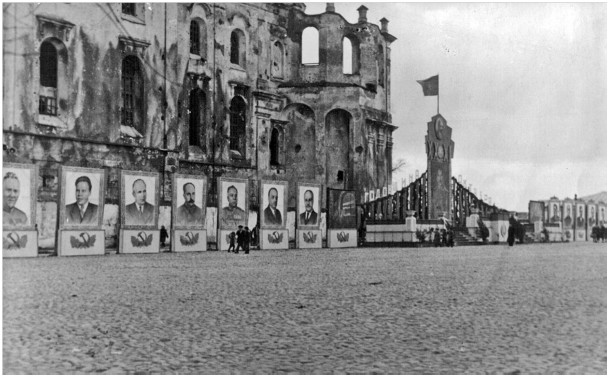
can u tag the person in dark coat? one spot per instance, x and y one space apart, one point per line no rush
512 231
247 239
231 242
437 238
164 235
450 238
239 239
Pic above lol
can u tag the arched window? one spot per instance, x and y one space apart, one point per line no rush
381 65
347 56
237 125
132 93
277 59
47 102
237 47
195 38
196 121
310 46
276 147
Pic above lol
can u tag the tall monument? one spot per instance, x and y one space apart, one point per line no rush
440 149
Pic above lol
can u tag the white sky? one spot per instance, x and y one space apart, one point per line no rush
523 86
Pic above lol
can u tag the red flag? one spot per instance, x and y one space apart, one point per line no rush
430 86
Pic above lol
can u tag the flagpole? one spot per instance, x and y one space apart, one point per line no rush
438 93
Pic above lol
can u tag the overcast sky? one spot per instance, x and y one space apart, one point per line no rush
523 86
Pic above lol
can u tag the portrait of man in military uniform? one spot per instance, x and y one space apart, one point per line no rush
233 200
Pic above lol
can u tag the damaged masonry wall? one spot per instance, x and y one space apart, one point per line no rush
333 128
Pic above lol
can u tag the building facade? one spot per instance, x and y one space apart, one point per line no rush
254 91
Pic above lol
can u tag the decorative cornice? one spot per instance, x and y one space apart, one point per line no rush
133 42
62 26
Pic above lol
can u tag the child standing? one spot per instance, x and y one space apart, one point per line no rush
231 238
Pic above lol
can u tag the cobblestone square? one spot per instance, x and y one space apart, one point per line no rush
532 309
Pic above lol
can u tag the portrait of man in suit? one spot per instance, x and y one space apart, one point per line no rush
568 219
189 213
555 214
581 222
11 188
82 211
232 215
309 216
140 212
272 215
591 216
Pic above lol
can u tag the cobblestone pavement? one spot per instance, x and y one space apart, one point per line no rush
534 309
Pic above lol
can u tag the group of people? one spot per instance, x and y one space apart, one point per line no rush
442 237
243 237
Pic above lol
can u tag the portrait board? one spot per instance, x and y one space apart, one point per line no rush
554 208
602 215
139 199
580 216
19 196
309 215
273 204
567 215
342 209
233 203
189 201
591 215
82 198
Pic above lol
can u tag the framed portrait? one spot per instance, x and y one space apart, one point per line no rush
580 219
139 199
233 203
342 209
189 201
309 201
568 215
82 198
273 204
19 196
591 215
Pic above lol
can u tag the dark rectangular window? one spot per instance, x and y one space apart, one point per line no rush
128 8
47 105
194 38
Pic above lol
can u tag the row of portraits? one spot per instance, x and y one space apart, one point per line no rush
584 215
83 194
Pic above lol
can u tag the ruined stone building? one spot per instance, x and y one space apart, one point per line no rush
210 89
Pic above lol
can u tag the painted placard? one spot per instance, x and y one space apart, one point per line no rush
184 240
309 239
19 243
82 198
309 204
274 239
19 196
342 209
233 203
189 201
81 242
135 241
274 203
338 238
139 200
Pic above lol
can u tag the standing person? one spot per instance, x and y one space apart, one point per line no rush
512 231
436 238
231 240
164 235
451 238
247 239
239 239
